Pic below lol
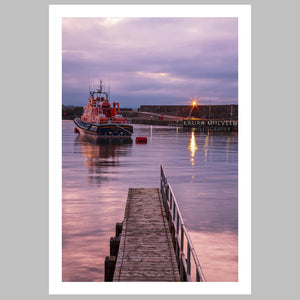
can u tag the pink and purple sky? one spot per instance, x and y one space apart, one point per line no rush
151 61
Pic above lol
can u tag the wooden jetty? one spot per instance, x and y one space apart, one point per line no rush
152 242
146 252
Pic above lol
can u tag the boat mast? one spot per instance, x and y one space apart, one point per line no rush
100 89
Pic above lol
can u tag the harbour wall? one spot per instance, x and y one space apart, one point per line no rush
209 112
225 112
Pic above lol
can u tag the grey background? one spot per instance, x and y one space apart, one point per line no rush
24 149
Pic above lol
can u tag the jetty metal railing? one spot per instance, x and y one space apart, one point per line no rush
185 254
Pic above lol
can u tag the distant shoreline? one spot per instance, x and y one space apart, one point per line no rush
161 112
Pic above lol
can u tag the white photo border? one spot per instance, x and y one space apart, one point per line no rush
56 286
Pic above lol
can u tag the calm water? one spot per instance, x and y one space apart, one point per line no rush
202 169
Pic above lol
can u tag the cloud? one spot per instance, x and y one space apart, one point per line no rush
151 60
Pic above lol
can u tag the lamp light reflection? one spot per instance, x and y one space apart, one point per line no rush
193 147
206 146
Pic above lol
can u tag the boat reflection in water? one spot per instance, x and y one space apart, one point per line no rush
100 154
93 200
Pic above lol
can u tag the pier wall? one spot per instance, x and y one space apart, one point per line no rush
218 112
226 112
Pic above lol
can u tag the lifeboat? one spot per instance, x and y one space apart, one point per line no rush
102 119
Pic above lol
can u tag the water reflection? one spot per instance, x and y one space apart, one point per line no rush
230 147
98 173
101 154
193 147
206 144
220 250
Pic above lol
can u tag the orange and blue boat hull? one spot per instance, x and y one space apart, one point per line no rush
104 130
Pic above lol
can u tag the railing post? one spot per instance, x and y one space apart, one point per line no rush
167 193
188 259
174 211
181 238
197 275
182 272
177 224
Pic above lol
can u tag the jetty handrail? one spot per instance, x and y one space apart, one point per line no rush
180 232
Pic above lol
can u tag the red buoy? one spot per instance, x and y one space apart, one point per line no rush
76 130
141 140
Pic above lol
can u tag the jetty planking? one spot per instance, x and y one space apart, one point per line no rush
145 251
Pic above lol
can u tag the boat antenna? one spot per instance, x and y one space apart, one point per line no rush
109 90
90 89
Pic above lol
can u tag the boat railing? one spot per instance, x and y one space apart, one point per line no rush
185 253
